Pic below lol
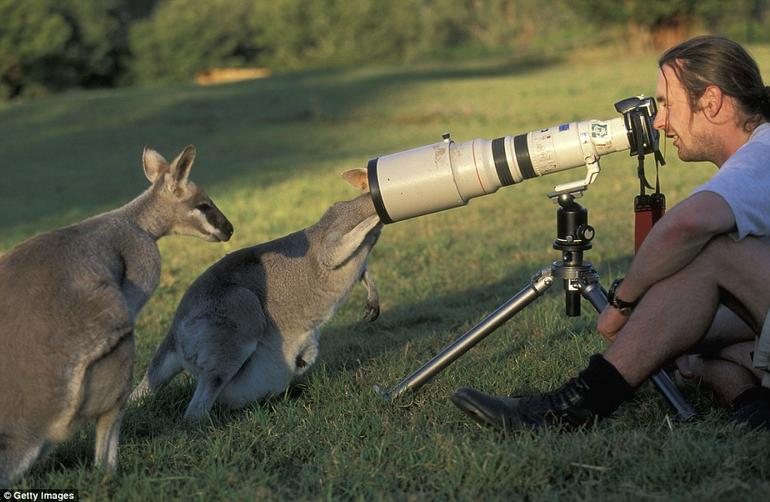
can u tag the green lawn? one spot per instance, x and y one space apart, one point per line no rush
270 153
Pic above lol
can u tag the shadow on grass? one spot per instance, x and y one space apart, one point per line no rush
449 313
351 347
78 154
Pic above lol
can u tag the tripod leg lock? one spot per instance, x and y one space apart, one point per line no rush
542 280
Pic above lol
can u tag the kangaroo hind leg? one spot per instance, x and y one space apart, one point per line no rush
219 345
107 437
211 381
223 349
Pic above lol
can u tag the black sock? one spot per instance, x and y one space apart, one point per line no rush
607 387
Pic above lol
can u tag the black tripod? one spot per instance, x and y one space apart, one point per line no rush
573 237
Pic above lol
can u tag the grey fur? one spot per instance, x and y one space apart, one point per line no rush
250 323
68 302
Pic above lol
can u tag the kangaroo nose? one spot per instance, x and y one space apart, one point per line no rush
227 229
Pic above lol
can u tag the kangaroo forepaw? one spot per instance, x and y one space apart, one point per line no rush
371 311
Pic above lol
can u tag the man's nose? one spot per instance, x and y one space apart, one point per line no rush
660 121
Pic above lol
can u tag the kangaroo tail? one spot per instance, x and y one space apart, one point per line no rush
165 365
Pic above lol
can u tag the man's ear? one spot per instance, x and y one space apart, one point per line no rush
712 101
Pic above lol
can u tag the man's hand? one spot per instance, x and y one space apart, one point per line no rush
672 244
610 322
675 241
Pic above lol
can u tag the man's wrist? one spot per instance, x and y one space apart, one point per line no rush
625 307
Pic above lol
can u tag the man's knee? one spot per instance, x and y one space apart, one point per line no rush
726 253
718 249
715 256
741 270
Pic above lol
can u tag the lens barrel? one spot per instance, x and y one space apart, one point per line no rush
446 174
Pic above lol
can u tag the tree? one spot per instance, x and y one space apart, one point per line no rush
30 34
659 24
50 45
186 36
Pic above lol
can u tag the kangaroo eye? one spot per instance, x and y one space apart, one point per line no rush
203 207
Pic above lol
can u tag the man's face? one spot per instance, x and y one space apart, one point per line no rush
676 119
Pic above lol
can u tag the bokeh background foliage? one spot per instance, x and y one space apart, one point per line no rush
50 45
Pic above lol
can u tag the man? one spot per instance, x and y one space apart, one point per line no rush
712 249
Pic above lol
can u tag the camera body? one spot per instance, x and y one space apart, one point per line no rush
446 174
638 115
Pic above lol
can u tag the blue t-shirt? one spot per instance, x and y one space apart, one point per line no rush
743 182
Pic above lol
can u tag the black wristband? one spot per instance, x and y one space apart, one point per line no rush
625 307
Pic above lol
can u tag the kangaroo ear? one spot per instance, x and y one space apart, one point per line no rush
180 167
339 248
358 178
153 163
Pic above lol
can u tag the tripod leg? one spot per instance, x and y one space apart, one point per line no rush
537 286
594 293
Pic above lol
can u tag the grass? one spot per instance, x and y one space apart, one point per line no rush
270 154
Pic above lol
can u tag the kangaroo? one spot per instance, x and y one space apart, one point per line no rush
250 323
68 301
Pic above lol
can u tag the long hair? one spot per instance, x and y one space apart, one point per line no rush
715 60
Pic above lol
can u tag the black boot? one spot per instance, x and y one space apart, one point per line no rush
752 408
595 393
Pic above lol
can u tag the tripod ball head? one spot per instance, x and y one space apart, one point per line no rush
572 228
586 233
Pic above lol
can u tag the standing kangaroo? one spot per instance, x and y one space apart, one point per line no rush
68 302
250 323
